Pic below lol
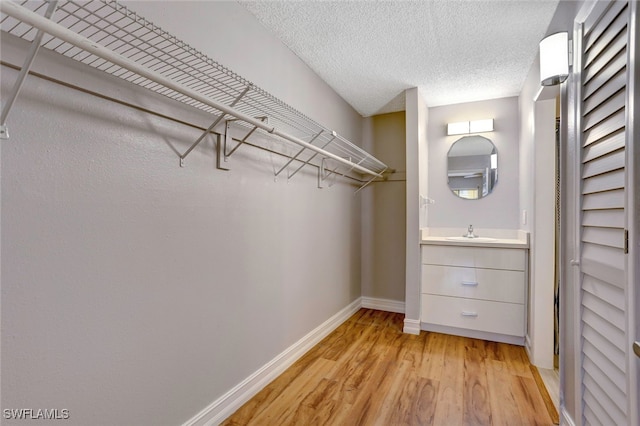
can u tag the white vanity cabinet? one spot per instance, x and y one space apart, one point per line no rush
475 291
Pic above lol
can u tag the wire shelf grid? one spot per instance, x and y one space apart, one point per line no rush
121 30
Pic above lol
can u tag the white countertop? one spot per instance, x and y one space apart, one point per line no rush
501 239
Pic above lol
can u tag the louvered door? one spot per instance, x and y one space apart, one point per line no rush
605 290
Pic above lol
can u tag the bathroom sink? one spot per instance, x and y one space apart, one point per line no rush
475 240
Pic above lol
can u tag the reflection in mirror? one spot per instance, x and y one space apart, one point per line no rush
472 167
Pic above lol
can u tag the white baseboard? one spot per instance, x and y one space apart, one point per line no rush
411 326
383 304
565 418
228 403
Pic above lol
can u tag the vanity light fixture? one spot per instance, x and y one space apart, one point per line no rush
467 127
459 128
480 126
554 59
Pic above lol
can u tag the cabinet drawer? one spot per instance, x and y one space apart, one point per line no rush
474 283
472 314
474 257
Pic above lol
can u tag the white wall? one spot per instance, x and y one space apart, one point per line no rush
423 162
135 291
499 210
538 183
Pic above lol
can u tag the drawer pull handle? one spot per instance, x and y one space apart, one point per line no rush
470 283
469 314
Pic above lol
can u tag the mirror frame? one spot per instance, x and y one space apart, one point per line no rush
485 175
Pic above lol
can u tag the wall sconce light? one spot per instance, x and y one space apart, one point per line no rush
467 127
554 59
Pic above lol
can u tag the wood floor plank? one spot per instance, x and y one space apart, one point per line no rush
492 350
288 407
529 402
516 359
449 406
355 369
341 344
504 409
477 408
432 357
275 389
369 403
367 372
548 402
373 389
412 400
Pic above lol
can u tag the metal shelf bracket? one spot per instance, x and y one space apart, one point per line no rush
4 131
229 137
220 153
213 125
295 157
330 172
321 173
333 136
365 184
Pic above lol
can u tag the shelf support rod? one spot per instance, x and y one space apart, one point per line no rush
23 14
311 158
243 140
214 124
365 185
298 153
24 71
330 172
335 171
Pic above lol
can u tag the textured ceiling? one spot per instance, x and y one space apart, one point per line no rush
371 51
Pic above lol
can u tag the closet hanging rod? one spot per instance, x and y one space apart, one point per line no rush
37 21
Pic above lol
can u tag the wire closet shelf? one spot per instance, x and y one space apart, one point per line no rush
109 37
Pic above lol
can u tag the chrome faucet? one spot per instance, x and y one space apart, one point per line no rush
470 233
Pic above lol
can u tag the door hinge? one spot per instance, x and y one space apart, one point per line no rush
626 241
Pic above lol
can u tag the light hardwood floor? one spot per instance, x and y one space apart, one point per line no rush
551 380
367 372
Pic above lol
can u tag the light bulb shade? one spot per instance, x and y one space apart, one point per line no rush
480 126
554 59
459 128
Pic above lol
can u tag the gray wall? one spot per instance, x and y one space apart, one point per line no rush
135 291
384 212
499 210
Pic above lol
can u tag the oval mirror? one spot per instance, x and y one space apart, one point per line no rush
472 167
